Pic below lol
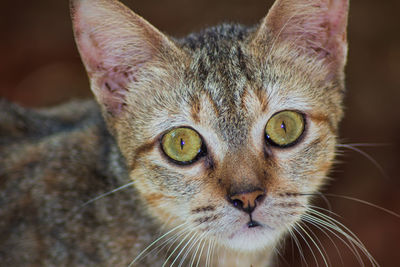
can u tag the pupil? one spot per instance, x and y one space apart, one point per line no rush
182 143
283 126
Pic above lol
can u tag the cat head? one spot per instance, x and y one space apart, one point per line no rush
226 132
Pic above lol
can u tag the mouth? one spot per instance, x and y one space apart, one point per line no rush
252 223
251 236
246 230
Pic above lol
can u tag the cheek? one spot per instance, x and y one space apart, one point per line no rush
208 193
209 208
170 194
307 168
159 174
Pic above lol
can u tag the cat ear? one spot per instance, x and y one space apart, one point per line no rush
116 45
315 26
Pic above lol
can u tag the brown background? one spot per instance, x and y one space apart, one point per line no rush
39 66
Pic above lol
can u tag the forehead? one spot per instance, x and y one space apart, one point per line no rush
218 77
228 86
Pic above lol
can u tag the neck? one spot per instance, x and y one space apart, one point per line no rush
224 257
208 253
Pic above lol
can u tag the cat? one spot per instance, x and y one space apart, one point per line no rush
200 151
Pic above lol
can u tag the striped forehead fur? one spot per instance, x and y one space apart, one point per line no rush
223 69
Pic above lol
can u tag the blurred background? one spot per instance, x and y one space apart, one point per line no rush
40 66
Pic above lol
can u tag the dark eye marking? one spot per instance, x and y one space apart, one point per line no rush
203 209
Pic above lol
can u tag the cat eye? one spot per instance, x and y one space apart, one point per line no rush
183 145
284 128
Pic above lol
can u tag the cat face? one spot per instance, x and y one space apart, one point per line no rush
228 132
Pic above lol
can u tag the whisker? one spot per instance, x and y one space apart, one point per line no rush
197 236
305 240
307 220
208 253
276 251
154 242
331 229
367 144
107 194
172 240
199 240
397 215
365 203
353 238
292 243
334 222
342 229
319 246
201 253
298 244
183 249
219 257
176 248
326 200
326 210
366 155
213 251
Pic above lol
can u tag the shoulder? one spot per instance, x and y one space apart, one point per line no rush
18 124
60 150
56 139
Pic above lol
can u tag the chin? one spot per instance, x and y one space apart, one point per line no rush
252 239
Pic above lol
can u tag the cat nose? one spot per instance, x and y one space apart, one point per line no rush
247 201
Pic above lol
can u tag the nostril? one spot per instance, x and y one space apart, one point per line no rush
247 201
260 198
237 203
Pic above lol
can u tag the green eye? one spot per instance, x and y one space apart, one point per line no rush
284 128
182 144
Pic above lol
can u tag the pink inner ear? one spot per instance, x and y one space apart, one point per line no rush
113 88
338 19
318 26
112 82
115 44
112 50
106 66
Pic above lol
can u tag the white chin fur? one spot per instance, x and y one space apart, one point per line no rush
251 239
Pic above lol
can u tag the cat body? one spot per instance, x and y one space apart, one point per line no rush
183 143
53 162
